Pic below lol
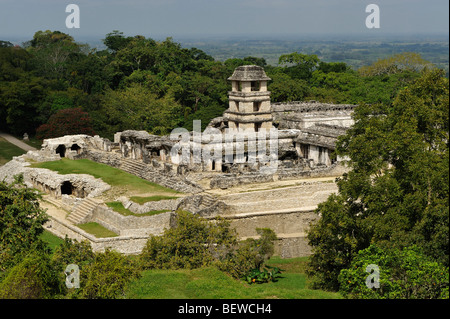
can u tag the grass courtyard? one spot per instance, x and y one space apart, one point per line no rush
201 283
121 182
211 283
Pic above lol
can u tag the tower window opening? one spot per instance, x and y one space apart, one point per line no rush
256 106
255 85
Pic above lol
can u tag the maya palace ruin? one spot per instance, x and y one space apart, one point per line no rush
217 171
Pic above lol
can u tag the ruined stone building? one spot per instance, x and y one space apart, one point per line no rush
254 141
306 132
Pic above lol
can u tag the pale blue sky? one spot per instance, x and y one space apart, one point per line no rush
155 18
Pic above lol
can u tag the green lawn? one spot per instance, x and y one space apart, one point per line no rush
142 200
52 240
211 283
117 178
8 150
118 207
97 230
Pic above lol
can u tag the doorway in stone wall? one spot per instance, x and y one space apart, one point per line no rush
61 150
76 147
66 188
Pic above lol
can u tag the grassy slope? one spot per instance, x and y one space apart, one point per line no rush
97 230
113 176
210 283
8 150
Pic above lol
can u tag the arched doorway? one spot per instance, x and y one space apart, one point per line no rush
76 147
66 188
61 150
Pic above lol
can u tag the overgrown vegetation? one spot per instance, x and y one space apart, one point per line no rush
195 242
21 221
395 197
56 86
405 273
31 268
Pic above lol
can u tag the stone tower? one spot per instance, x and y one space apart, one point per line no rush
249 100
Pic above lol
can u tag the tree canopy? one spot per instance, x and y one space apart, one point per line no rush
396 194
53 72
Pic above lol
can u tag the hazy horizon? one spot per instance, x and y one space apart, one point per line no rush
19 39
158 19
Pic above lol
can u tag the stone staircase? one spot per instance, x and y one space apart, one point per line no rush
53 201
207 200
82 210
134 167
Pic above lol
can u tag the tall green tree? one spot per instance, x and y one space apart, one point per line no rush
396 193
53 52
405 61
299 65
21 222
135 107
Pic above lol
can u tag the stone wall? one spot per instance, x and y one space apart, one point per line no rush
231 180
131 225
124 244
167 204
108 158
300 114
282 223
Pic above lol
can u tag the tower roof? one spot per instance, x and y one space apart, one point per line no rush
249 73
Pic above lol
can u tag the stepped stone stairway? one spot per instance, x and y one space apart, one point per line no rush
53 201
207 200
133 167
83 210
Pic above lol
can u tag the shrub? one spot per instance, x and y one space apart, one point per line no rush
33 278
196 242
66 122
73 252
102 275
193 242
262 276
106 277
21 221
404 274
249 254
